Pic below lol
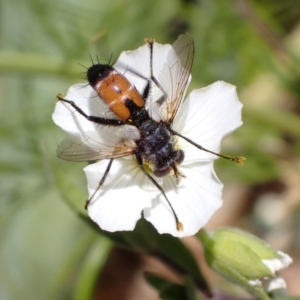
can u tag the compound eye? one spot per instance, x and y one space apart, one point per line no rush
162 172
179 157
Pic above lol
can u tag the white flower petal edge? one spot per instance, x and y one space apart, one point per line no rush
206 117
274 284
194 200
117 206
276 264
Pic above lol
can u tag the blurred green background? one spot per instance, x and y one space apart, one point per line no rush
46 250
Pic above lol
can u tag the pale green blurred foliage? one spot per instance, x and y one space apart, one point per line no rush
46 251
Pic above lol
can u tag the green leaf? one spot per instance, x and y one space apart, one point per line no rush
166 248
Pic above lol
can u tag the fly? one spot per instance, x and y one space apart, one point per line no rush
154 143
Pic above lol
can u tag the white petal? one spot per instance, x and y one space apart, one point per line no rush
274 284
194 200
125 193
286 259
87 100
206 117
269 284
277 264
255 282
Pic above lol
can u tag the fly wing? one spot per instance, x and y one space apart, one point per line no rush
112 143
174 77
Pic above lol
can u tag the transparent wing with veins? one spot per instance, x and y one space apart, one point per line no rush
90 146
173 78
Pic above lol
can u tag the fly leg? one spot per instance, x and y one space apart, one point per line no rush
239 160
98 120
153 78
179 225
100 183
150 42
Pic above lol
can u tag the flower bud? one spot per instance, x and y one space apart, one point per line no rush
244 259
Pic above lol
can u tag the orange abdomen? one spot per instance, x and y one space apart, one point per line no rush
114 90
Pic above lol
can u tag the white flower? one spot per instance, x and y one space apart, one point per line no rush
206 117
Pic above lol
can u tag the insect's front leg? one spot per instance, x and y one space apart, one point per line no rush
98 120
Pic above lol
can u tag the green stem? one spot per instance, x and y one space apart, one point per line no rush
38 64
204 237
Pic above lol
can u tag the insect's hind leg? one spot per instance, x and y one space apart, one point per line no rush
98 120
100 183
179 225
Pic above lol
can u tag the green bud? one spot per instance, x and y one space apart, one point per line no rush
243 258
